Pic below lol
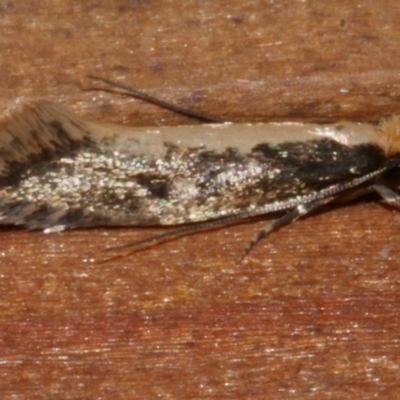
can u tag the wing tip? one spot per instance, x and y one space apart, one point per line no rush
37 129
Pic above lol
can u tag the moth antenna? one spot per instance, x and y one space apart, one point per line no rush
178 232
161 103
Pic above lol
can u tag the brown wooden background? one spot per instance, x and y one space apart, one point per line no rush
314 311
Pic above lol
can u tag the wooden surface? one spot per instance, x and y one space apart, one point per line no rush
313 313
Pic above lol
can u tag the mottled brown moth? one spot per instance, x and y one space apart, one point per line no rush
59 171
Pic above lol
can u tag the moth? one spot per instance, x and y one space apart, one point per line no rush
59 171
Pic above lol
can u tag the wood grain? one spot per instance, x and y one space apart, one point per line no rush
312 313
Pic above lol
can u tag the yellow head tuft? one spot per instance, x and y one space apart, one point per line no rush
391 129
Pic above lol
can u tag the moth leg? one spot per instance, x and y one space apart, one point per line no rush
291 216
388 195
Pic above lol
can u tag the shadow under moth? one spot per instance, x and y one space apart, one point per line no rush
59 171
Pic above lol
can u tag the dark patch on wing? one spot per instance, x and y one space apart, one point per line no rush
63 139
78 217
16 143
41 216
12 210
230 155
157 185
172 149
313 165
35 135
